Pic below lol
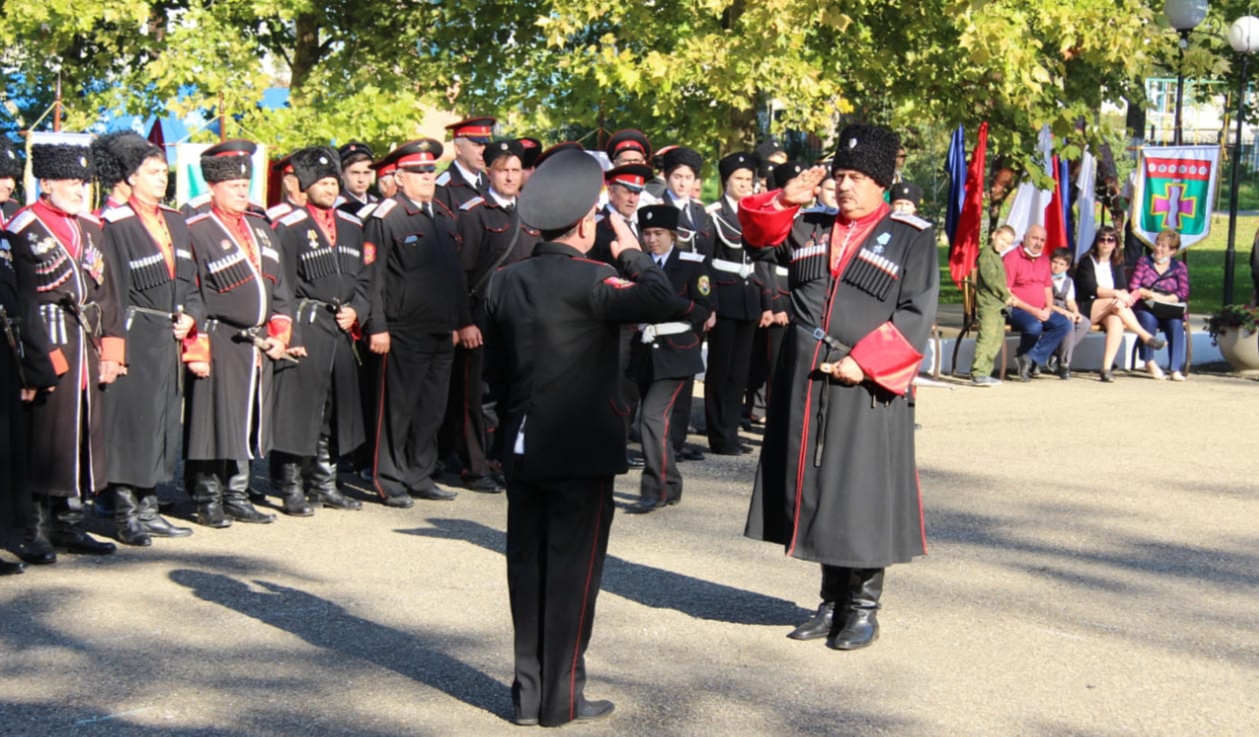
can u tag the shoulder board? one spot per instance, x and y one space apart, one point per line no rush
443 179
713 208
199 200
366 210
279 211
293 218
695 256
198 218
911 220
384 208
114 214
90 218
19 223
471 203
339 201
348 217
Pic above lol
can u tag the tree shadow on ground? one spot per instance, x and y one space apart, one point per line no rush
646 585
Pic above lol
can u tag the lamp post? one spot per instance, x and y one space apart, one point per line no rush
1243 36
1184 15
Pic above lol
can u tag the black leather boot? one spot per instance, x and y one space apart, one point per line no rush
286 481
67 531
152 520
8 568
127 514
834 593
819 625
236 499
861 628
323 479
206 490
103 505
36 549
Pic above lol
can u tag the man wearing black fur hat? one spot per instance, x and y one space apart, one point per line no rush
682 166
249 324
150 247
837 483
60 250
108 170
10 173
318 417
553 366
492 236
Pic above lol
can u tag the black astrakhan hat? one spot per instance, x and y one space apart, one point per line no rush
313 164
561 192
628 139
769 147
118 155
354 151
734 162
503 147
869 149
61 161
906 191
228 160
784 173
682 156
10 164
531 148
658 216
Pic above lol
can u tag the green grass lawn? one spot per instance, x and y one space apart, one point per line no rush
1205 261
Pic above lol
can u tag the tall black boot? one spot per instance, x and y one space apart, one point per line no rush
861 628
236 499
206 490
67 531
834 595
286 480
323 479
127 515
152 520
36 549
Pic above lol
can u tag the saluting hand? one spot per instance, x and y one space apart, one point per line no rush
183 326
802 189
624 237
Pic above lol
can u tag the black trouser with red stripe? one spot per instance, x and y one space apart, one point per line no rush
725 378
661 480
411 402
463 431
557 539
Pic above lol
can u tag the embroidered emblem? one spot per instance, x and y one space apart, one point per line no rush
617 282
705 287
369 253
41 247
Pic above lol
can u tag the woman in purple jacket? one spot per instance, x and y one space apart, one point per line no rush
1160 278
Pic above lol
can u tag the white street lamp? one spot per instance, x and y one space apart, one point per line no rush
1184 15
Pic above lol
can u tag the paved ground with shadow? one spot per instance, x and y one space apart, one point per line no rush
1093 572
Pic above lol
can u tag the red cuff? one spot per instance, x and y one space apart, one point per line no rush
887 358
764 225
196 347
58 359
114 349
280 327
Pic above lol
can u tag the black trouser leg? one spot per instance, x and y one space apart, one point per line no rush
725 377
557 539
661 481
680 423
412 404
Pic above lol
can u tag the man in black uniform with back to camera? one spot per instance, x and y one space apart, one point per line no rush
554 322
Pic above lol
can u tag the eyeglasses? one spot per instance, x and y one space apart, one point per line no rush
1107 239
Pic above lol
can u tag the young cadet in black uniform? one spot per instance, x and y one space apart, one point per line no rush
665 355
491 237
553 367
149 246
356 174
464 178
10 173
419 308
249 324
59 249
318 413
682 166
742 305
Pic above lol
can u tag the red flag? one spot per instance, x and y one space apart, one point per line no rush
1055 224
155 134
966 243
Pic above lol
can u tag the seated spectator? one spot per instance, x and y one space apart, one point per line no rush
992 297
1028 277
1098 290
1160 278
1065 305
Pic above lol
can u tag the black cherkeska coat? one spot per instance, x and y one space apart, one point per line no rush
229 412
142 408
322 276
77 310
837 482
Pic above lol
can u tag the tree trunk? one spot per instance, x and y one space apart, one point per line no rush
306 51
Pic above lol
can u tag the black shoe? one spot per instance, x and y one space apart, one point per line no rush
634 461
1108 376
154 523
817 626
861 627
484 484
434 493
1064 371
1156 343
735 451
646 506
399 501
210 514
243 510
334 499
592 710
689 454
11 569
1025 365
38 553
78 542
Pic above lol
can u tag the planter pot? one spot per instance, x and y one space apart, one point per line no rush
1240 349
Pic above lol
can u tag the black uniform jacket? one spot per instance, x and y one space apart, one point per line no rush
676 355
453 190
742 293
553 357
604 235
486 231
324 276
142 407
417 276
695 227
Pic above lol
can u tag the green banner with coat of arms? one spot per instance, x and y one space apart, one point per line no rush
1175 189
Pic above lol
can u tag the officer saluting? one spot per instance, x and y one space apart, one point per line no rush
553 367
665 355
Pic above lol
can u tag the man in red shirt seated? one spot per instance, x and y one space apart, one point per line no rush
1028 276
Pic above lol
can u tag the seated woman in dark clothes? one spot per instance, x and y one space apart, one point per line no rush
1100 293
1161 278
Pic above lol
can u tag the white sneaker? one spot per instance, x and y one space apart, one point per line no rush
1156 373
1177 376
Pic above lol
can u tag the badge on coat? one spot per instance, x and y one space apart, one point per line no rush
94 262
369 253
617 282
705 287
314 238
